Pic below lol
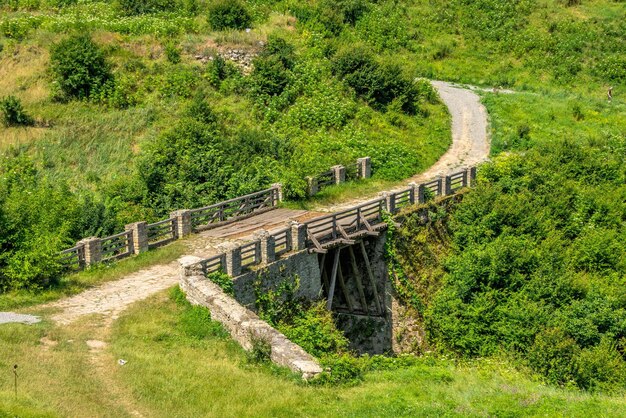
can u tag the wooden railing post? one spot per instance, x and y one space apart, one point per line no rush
413 193
183 222
298 236
421 194
440 184
471 177
138 237
339 172
365 167
268 246
312 186
448 187
93 250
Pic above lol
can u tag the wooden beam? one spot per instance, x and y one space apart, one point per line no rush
333 280
325 278
344 289
372 279
359 282
322 263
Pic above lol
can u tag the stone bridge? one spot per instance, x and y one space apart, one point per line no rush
337 256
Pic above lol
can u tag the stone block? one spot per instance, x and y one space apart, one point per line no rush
139 236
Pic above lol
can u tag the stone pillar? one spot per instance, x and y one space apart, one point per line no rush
448 188
390 201
421 194
233 261
471 177
139 236
312 186
183 222
190 265
268 246
278 193
298 236
93 250
340 173
414 193
365 167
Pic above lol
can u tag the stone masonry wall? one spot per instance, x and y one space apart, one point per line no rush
302 265
245 326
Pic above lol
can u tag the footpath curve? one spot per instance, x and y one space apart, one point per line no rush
470 146
470 139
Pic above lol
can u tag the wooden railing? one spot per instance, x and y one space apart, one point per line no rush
282 242
344 226
140 236
250 254
321 233
73 258
206 217
117 246
339 174
162 232
214 264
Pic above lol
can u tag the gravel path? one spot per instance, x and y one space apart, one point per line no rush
470 145
112 298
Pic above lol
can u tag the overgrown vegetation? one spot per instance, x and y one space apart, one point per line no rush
146 121
532 262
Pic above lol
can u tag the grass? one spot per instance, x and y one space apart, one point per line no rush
523 119
77 282
179 363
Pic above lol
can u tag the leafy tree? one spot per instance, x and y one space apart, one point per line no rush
229 14
79 67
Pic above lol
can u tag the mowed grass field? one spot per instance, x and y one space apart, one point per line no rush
180 363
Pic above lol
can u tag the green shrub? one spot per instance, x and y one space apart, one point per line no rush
13 114
137 7
229 14
379 85
179 81
172 54
79 67
601 367
314 330
553 355
269 77
261 351
224 281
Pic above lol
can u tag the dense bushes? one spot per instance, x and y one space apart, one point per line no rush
272 68
378 84
38 218
137 7
13 113
196 163
229 14
79 67
539 262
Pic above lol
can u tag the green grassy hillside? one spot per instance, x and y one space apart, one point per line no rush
145 116
519 290
179 363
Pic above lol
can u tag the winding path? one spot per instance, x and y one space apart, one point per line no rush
470 145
